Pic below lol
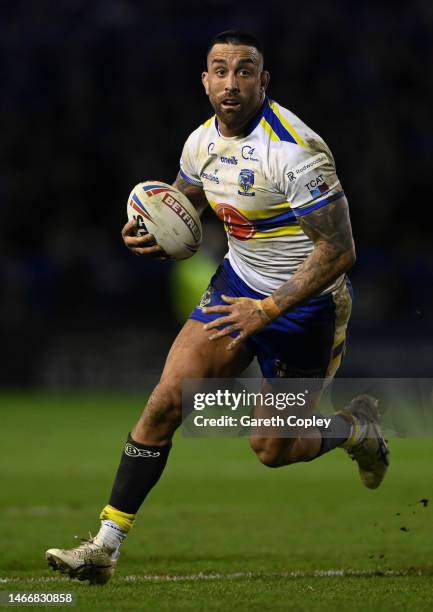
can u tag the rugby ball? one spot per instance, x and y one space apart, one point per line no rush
162 210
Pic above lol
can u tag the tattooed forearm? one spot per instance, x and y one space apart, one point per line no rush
334 253
194 194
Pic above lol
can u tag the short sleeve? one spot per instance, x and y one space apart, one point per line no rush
310 180
188 161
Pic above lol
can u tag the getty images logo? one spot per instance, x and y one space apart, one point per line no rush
133 451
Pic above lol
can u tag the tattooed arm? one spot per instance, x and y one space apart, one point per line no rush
194 194
334 253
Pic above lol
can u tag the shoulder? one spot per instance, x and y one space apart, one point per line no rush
202 134
297 131
299 161
286 126
297 143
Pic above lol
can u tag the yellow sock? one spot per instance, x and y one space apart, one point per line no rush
124 520
356 430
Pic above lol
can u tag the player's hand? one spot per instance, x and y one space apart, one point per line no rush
141 245
241 314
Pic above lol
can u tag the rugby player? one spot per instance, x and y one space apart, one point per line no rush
281 293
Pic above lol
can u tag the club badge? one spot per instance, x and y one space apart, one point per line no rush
246 183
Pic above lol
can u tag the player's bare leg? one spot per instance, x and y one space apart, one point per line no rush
144 457
279 451
355 428
191 356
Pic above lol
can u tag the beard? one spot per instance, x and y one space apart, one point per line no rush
236 116
231 117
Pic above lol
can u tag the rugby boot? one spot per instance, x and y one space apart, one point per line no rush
366 445
89 561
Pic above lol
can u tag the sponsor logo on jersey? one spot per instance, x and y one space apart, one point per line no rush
306 166
210 148
317 186
210 177
229 160
183 214
246 182
235 223
133 451
248 153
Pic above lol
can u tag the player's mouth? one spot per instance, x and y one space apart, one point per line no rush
230 103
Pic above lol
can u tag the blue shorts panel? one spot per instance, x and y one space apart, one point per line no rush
297 344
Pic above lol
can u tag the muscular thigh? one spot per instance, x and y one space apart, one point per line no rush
192 355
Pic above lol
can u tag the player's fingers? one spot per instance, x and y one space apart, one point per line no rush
224 332
129 228
218 322
230 299
147 240
152 250
217 309
236 341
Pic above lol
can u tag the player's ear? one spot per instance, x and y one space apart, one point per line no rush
205 81
265 77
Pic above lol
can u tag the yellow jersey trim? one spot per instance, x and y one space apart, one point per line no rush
209 122
289 127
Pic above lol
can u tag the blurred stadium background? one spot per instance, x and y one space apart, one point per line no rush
97 96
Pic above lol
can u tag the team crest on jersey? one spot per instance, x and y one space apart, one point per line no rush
246 182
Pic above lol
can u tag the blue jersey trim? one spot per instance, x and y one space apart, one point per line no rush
285 218
277 126
257 118
304 210
189 180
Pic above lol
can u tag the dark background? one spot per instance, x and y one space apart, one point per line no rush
97 96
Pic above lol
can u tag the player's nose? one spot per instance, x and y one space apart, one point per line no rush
231 83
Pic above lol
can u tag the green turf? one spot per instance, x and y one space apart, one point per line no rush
216 512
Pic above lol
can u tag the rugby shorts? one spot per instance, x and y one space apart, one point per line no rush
308 341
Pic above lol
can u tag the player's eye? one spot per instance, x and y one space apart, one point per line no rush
220 72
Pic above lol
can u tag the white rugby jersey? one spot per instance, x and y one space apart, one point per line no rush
258 184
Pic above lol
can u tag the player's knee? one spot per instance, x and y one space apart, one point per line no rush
270 454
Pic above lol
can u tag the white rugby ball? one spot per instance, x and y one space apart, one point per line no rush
162 210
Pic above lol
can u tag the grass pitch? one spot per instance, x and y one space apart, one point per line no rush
219 530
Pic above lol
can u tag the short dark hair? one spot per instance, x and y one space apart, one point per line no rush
236 37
